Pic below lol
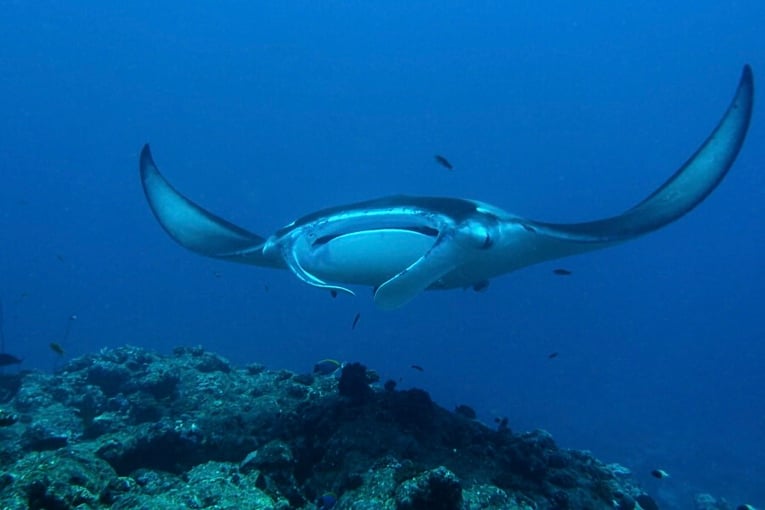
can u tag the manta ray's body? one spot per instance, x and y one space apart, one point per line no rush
403 245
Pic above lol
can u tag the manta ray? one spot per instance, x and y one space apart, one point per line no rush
402 245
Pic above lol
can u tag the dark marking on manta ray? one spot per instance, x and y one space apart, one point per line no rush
481 286
562 272
443 162
355 321
418 368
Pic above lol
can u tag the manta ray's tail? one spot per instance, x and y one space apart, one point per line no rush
687 188
192 226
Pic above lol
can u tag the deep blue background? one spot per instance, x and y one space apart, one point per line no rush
558 111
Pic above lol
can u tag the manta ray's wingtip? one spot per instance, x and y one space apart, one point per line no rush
745 92
747 79
146 160
746 73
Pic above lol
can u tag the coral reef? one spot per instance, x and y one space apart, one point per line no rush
128 428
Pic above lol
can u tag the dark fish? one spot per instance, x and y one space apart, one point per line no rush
553 355
8 359
443 162
56 347
355 321
562 272
333 293
326 366
418 368
659 473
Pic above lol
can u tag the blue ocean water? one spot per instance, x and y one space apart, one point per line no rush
558 111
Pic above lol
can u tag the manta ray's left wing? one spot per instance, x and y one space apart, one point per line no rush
195 228
687 188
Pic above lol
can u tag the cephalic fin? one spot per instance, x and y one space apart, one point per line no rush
442 258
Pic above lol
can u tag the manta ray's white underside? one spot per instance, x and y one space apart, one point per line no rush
403 245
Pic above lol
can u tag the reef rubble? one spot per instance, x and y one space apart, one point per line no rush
128 428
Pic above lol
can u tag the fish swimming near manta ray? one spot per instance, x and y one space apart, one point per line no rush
403 245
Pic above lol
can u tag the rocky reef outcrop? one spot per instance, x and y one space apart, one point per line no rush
129 428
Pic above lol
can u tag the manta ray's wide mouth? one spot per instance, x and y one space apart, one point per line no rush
419 229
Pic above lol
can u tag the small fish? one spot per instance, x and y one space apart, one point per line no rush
745 506
443 162
418 368
355 321
8 359
326 366
552 355
659 473
562 272
56 347
333 293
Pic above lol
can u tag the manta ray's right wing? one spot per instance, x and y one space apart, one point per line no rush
687 188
